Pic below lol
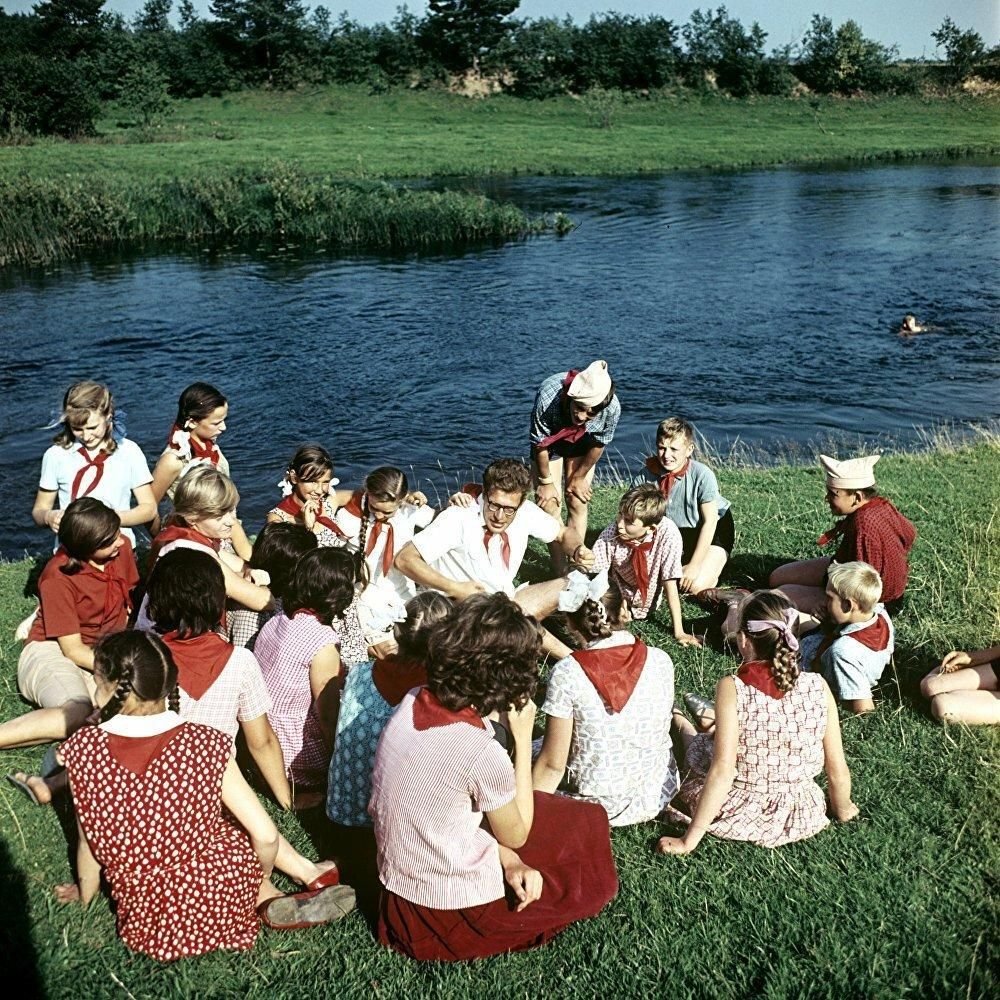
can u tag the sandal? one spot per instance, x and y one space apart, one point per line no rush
722 597
300 910
702 709
22 784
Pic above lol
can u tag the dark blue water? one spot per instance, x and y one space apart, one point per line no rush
762 305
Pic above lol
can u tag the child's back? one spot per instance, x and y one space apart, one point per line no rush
876 533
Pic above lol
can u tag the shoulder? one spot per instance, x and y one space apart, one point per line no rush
242 659
667 533
207 737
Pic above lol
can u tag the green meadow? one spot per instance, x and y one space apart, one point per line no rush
301 165
899 903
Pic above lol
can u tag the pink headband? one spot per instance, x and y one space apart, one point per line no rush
785 626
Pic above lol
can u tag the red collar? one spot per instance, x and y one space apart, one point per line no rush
757 674
176 532
429 713
206 452
614 671
666 480
394 675
96 463
291 506
199 660
136 753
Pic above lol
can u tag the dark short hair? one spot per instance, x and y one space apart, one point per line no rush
86 526
484 654
197 401
423 612
508 475
276 550
310 463
187 593
323 582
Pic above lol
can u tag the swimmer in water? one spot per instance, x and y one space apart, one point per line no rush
910 326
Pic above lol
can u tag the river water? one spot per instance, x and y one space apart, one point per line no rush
762 305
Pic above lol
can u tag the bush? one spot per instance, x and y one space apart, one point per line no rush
842 60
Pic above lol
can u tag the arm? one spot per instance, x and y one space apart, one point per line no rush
244 592
266 752
144 510
709 512
324 681
526 882
411 563
957 659
551 763
165 474
837 774
239 798
720 775
241 544
546 493
511 823
43 513
88 871
674 603
578 485
74 648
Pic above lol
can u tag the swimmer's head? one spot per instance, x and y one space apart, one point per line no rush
910 324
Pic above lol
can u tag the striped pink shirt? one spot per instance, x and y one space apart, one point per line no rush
663 560
430 789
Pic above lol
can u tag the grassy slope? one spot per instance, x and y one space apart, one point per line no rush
896 904
346 132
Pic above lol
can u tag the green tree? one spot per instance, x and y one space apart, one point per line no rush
720 44
461 34
143 94
264 39
153 18
962 49
842 60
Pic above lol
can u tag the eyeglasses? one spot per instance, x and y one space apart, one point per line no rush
499 510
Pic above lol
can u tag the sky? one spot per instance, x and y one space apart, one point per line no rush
905 23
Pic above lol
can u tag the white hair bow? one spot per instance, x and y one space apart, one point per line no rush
384 607
580 587
286 487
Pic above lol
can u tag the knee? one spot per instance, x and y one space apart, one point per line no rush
929 685
777 577
944 708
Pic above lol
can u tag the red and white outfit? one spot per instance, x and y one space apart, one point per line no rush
89 603
328 533
436 773
75 472
148 794
460 546
181 445
640 569
285 649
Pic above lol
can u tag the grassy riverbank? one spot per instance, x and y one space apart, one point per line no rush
58 196
898 903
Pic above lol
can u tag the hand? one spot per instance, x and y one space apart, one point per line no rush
673 845
689 576
583 557
526 883
547 497
53 518
689 640
416 498
461 499
847 814
955 660
460 591
310 511
581 489
521 721
67 892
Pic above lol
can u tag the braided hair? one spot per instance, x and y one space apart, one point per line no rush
595 620
137 663
385 484
771 645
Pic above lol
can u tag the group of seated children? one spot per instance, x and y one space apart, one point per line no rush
378 658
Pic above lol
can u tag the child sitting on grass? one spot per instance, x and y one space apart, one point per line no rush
966 688
871 531
694 503
642 553
859 645
752 779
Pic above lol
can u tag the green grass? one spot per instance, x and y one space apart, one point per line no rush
123 189
897 904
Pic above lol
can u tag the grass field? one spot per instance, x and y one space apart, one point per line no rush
900 903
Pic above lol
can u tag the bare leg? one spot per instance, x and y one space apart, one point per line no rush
973 708
685 730
711 569
806 572
578 510
967 679
295 866
556 553
539 601
45 725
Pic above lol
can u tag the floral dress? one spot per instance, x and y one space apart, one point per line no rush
774 799
185 879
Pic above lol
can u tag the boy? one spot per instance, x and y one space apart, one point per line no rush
694 504
852 658
642 553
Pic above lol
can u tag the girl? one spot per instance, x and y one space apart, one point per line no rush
966 688
379 521
309 500
371 694
607 712
775 729
84 592
204 517
180 888
201 419
301 663
450 810
220 686
91 457
276 550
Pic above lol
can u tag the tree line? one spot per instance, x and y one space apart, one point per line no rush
60 63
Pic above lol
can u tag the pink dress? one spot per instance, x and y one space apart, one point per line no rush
774 799
185 880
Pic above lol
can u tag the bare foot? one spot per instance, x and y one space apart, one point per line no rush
67 892
36 788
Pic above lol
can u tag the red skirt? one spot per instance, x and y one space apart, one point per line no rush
570 844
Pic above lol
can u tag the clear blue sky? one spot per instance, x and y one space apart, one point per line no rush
906 23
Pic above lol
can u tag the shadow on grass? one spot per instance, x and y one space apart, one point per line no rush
38 563
16 944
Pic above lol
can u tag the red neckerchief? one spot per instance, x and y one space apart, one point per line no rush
117 596
199 660
504 545
97 463
429 713
473 489
394 675
291 506
874 636
136 753
666 480
356 506
208 451
175 532
640 568
757 674
572 432
614 671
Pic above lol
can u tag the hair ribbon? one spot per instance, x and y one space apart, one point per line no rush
785 625
580 587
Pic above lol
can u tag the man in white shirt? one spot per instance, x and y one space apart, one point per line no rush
479 548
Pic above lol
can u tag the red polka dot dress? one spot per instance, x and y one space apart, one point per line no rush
184 878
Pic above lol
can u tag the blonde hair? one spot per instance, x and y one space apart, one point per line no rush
204 492
771 645
644 503
82 399
675 427
855 581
